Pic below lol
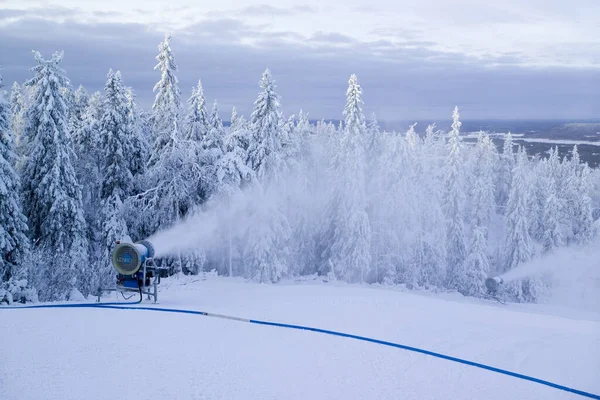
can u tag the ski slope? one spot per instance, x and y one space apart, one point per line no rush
131 354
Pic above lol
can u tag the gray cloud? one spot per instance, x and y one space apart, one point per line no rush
105 14
400 81
12 13
332 38
141 11
268 10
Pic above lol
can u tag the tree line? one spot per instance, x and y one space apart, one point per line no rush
348 202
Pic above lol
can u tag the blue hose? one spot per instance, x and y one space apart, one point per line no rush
127 306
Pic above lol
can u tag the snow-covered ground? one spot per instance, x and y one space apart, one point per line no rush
126 354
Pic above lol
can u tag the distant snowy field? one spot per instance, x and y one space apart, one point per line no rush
125 354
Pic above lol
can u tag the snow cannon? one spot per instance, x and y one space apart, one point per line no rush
137 272
128 258
492 283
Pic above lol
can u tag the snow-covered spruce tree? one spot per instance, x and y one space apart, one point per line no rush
387 203
116 139
477 265
211 154
454 199
196 128
482 183
139 145
265 125
239 126
197 123
429 248
552 235
79 105
171 188
17 108
583 221
505 171
373 138
518 242
303 202
576 199
233 175
266 252
14 243
167 103
412 139
86 143
482 209
51 194
537 200
350 248
214 139
518 247
267 239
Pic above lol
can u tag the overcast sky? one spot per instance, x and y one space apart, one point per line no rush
415 59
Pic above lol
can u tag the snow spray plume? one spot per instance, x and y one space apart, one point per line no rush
204 229
573 273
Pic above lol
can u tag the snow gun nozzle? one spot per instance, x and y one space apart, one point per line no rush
492 283
127 257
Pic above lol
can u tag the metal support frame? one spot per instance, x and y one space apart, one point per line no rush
150 290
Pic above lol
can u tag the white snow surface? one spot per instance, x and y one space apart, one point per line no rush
127 354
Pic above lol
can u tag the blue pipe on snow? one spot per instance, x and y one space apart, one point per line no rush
124 306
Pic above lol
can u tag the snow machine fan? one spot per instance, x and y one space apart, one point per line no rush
134 263
128 258
492 284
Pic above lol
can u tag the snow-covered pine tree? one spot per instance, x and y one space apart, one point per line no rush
197 123
267 238
238 125
373 138
116 140
138 145
87 167
300 206
78 107
233 173
518 247
52 196
167 103
583 222
482 183
211 154
505 171
265 125
552 235
232 176
477 265
412 139
454 199
387 203
14 243
430 247
350 249
17 108
537 200
171 190
216 134
482 209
